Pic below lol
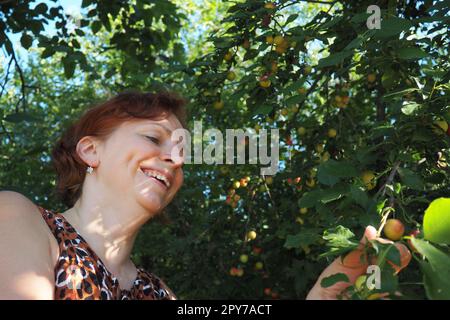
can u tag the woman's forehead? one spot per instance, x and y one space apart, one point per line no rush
168 124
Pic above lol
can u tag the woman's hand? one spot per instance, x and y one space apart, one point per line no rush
353 266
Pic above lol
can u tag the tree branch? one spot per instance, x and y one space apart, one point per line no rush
5 131
22 78
308 1
311 89
6 77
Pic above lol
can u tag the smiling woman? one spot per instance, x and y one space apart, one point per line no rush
114 171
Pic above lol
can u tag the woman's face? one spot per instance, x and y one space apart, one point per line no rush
136 163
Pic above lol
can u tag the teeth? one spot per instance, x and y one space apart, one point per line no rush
158 176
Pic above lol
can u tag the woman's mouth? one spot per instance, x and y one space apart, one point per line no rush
157 177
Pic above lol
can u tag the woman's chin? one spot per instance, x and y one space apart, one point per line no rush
151 201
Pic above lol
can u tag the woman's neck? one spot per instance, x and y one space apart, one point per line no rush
110 228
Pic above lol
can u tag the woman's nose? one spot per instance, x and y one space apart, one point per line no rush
173 157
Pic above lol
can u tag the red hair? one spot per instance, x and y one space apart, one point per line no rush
100 121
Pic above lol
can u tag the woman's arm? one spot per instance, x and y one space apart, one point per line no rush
26 264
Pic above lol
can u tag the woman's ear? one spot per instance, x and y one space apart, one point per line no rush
87 150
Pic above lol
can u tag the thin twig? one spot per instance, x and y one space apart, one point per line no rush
390 177
294 116
309 1
384 216
6 77
389 209
5 131
22 78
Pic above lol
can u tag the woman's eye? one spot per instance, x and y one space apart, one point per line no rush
153 139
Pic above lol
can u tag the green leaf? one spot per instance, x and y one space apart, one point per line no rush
294 100
326 178
310 199
41 8
436 222
392 26
382 131
411 53
332 194
264 109
333 279
250 54
291 18
399 93
26 40
388 281
436 288
389 252
331 22
360 17
86 3
304 238
339 239
79 32
339 236
436 270
48 52
410 107
340 169
355 43
69 68
334 59
359 195
19 117
96 26
411 179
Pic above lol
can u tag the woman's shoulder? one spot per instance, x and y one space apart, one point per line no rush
24 237
21 217
14 206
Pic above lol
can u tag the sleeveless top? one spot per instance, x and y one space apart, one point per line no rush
81 275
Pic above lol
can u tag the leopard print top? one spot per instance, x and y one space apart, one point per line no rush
81 275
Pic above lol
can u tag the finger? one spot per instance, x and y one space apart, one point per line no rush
369 234
356 259
405 258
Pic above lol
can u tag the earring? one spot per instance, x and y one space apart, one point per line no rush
89 169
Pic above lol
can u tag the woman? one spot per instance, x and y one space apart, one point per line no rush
115 172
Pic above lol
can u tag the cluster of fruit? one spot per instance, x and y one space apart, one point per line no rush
270 293
369 179
393 230
232 198
341 101
299 220
295 182
244 258
341 95
281 43
311 181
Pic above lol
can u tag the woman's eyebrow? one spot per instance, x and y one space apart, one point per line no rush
167 130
